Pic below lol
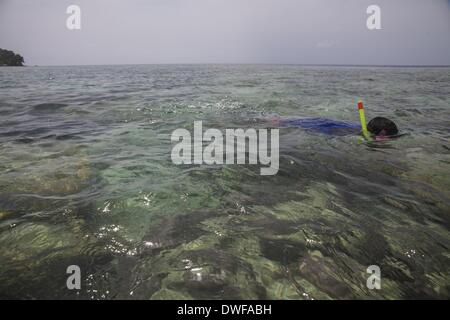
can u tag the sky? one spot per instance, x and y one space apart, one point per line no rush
413 32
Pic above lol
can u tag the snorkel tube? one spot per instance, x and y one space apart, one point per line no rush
362 118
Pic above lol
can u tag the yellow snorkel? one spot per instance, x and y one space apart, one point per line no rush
362 118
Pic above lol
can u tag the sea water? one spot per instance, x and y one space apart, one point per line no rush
86 179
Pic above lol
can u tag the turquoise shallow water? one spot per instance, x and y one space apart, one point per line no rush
86 179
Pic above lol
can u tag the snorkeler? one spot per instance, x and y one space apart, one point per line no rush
379 128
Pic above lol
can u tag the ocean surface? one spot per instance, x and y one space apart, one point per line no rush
86 179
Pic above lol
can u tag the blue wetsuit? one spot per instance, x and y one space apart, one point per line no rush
326 126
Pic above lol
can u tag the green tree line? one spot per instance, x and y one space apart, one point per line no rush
9 58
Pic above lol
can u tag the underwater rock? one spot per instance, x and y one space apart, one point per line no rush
53 178
282 289
28 240
317 272
36 255
281 250
218 274
197 270
272 226
174 231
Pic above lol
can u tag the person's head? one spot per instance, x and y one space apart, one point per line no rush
380 126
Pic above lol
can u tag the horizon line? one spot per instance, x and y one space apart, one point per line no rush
256 63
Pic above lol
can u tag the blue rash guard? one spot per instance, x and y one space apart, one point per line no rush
326 126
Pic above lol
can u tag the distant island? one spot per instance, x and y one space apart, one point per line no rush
9 58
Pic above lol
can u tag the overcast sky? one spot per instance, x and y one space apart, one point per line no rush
414 32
